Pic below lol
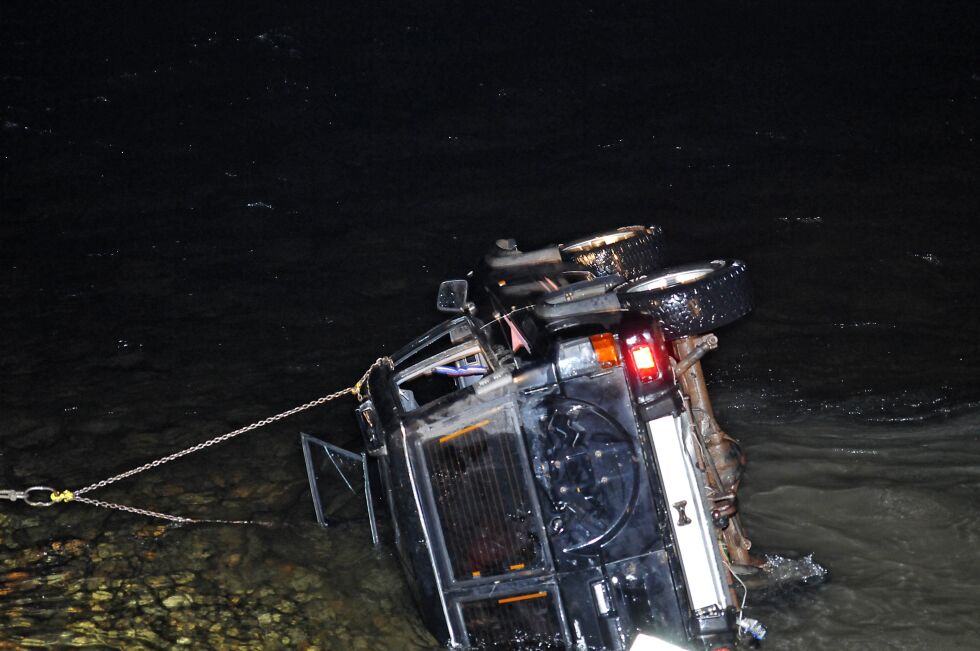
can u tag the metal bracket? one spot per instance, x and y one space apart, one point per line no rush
682 518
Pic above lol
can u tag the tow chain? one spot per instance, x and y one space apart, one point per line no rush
64 496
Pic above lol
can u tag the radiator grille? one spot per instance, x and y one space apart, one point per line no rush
482 500
524 621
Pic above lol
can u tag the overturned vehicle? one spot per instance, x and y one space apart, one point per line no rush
554 472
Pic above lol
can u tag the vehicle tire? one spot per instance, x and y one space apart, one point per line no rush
630 251
691 299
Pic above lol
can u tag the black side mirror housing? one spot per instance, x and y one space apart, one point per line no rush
452 296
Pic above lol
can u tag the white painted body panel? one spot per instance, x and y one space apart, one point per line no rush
696 543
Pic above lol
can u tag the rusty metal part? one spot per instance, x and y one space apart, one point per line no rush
706 344
723 454
723 458
725 506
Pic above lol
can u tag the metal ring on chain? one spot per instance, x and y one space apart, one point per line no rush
38 489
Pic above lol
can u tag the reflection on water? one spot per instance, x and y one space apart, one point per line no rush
890 510
210 218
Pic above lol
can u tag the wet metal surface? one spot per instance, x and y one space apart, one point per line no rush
212 215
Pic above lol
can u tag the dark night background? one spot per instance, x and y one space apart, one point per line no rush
209 214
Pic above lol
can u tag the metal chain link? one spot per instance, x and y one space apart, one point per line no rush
179 519
77 495
209 443
356 390
132 509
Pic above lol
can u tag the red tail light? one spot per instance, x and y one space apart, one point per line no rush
643 359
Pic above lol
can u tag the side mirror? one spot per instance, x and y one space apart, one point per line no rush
452 296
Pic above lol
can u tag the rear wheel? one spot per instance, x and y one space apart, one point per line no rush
691 299
630 251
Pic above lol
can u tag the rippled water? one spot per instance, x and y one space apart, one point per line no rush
210 216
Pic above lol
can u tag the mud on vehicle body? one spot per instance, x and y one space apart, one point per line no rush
551 464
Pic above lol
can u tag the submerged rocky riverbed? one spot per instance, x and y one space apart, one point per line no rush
160 586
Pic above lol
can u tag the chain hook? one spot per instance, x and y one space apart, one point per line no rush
63 496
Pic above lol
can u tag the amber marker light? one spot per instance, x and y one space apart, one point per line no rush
604 346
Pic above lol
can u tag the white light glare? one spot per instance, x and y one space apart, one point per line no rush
650 643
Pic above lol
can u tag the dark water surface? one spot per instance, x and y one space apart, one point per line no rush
209 215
